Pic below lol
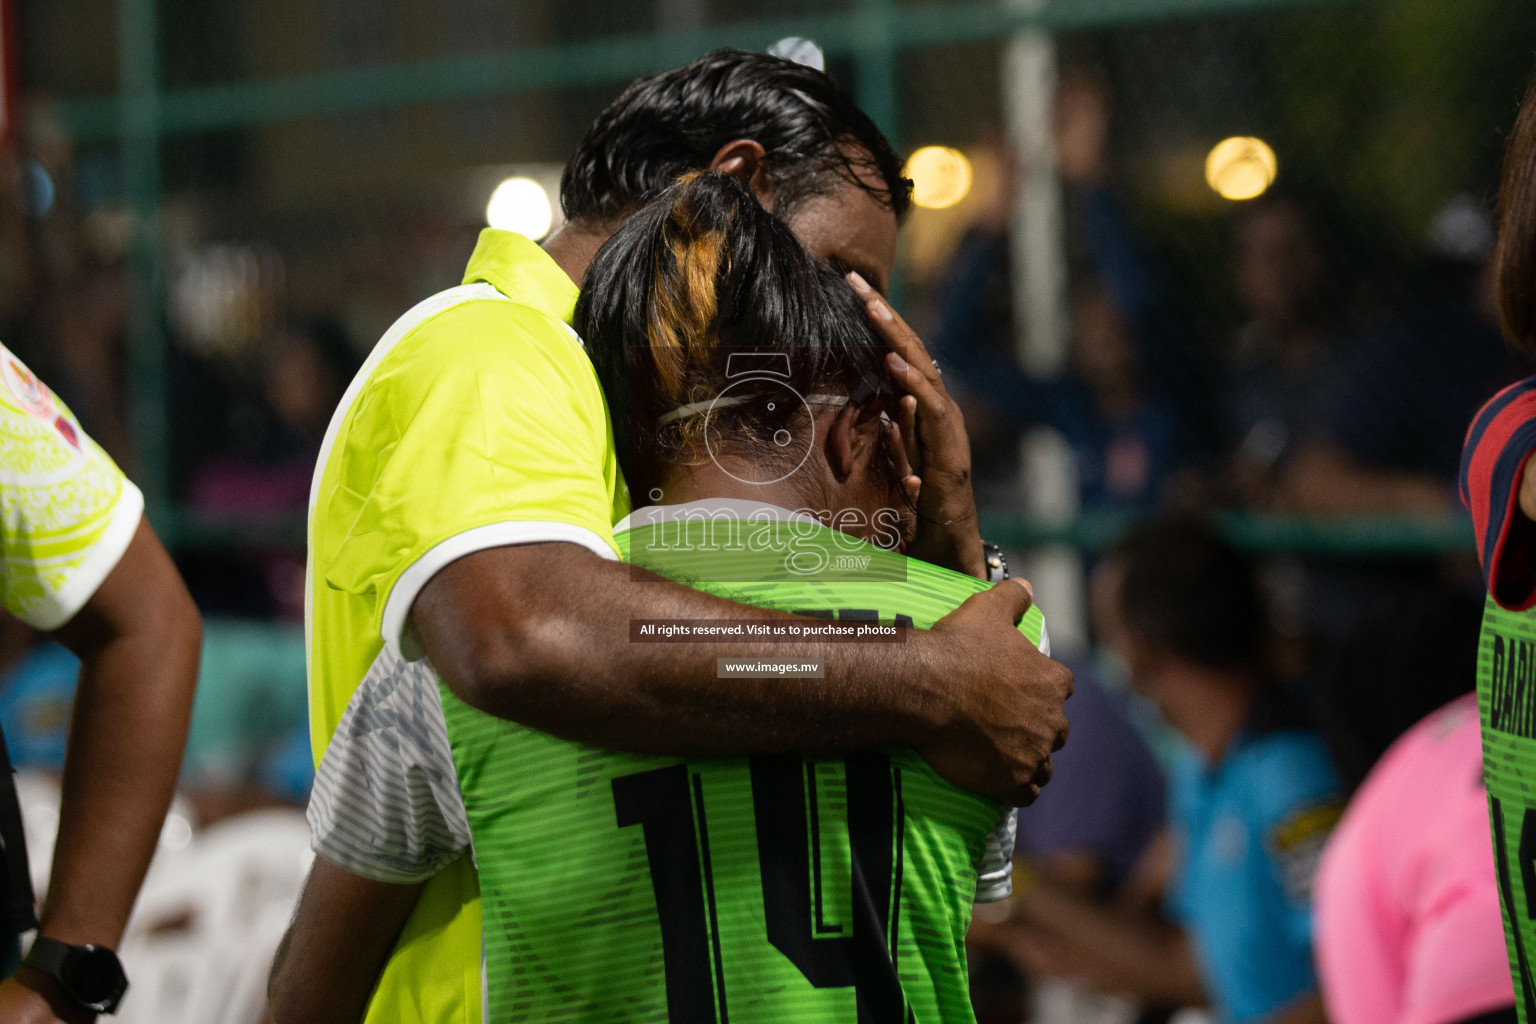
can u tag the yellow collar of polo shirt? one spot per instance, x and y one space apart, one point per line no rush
515 266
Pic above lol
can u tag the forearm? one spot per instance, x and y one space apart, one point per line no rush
566 664
342 934
139 641
126 739
540 634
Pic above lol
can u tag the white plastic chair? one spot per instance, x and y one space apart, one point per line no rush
174 979
209 920
37 794
214 906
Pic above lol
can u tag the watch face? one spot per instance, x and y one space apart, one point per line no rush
94 977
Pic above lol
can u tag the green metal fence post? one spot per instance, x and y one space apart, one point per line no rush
138 75
875 67
876 86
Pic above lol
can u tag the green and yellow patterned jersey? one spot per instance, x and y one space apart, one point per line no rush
67 513
619 887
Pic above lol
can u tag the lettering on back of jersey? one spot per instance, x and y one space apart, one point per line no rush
1512 699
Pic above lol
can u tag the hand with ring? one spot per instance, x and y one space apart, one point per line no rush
938 449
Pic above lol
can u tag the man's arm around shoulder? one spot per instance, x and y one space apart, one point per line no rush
539 634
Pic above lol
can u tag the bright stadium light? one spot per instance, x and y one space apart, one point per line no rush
801 51
521 205
941 176
1240 168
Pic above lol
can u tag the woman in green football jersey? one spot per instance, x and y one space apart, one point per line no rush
1498 486
753 400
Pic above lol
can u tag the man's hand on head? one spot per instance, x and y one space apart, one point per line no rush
937 446
1009 699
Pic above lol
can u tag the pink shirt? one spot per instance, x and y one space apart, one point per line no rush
1406 907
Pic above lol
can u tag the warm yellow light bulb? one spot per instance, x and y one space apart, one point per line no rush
941 176
1241 167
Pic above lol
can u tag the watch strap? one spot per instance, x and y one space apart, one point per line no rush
48 956
53 957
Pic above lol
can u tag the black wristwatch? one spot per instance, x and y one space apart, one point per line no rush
91 976
997 565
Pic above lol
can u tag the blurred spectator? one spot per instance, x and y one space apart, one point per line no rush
1328 419
1123 439
1087 832
1396 663
1287 360
79 331
248 744
1391 428
250 709
1129 404
301 371
1408 926
1094 822
1252 798
271 411
1104 245
36 696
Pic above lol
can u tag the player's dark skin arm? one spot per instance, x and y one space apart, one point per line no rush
330 960
539 634
138 639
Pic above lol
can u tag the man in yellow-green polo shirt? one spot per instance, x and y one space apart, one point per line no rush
462 512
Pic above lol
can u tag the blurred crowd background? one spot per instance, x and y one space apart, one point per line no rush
1223 259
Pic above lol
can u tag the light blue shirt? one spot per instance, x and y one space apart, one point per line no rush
1250 829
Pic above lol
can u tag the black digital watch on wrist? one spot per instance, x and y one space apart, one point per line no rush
91 977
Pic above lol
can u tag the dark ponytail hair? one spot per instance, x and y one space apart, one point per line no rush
698 276
1516 251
